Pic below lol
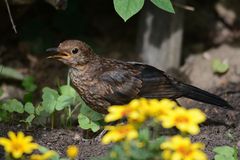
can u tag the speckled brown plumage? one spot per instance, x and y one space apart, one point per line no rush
103 82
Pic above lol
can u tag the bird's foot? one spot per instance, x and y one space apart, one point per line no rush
96 139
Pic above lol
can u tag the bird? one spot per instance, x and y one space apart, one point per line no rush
103 82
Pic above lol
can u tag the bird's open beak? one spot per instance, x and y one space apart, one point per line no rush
59 54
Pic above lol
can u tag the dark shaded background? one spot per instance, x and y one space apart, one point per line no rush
41 26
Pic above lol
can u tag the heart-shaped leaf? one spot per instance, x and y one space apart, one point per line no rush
67 91
127 8
86 123
63 101
49 99
166 5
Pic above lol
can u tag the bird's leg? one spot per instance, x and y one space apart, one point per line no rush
96 138
100 135
176 102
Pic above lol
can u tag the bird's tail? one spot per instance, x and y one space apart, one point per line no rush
202 96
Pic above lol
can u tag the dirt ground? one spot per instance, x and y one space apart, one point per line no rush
221 128
59 139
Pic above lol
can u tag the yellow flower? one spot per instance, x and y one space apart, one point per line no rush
133 111
117 112
179 148
18 144
139 110
119 132
72 151
185 120
46 156
160 109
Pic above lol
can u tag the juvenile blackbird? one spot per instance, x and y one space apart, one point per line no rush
102 82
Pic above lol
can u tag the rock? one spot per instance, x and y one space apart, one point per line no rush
199 67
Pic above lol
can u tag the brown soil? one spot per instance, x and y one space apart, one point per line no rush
222 128
58 140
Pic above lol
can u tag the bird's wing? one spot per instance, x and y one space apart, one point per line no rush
119 85
155 83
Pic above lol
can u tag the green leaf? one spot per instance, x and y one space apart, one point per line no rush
41 119
43 149
144 134
90 113
127 8
166 5
154 144
29 108
95 127
219 157
56 157
49 99
4 116
28 84
13 105
28 97
235 155
10 73
39 109
223 157
224 150
50 91
68 91
83 121
86 123
1 92
30 118
140 154
219 67
63 101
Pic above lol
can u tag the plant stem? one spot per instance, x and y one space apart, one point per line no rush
52 120
7 156
235 154
68 79
76 106
69 116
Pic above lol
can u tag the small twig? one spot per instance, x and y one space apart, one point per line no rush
10 16
183 6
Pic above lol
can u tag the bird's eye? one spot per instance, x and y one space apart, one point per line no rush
75 51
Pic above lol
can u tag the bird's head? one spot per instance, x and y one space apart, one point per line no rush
72 53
